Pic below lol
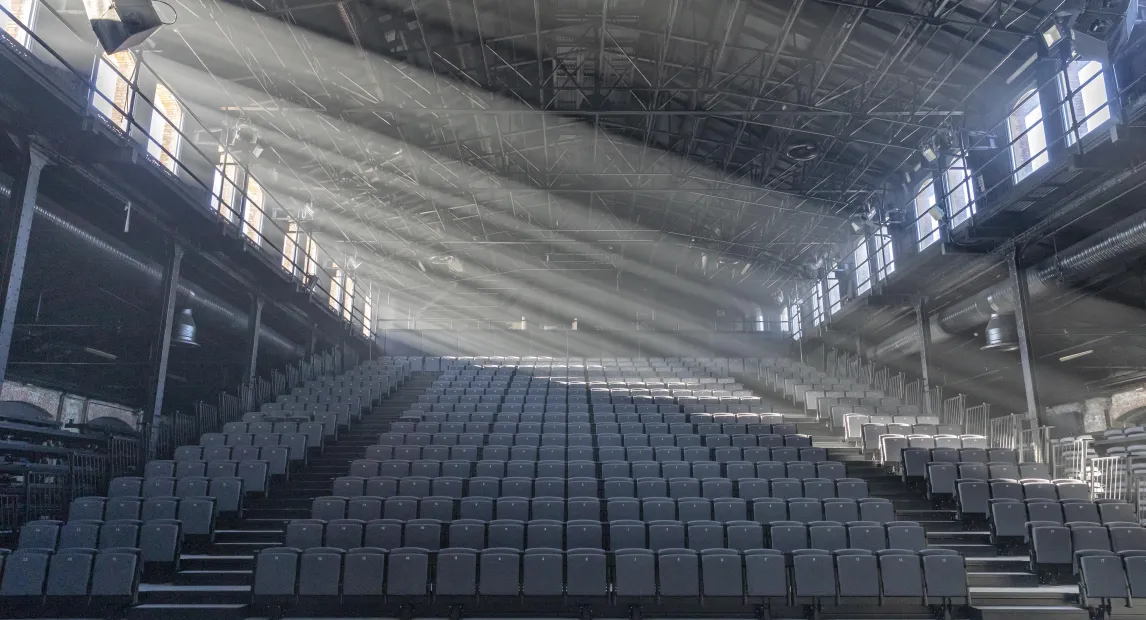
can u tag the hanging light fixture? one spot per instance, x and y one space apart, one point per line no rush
183 331
1002 333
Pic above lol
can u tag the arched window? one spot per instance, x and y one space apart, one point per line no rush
1028 136
926 225
115 73
1088 108
960 191
166 120
20 28
290 247
785 319
797 321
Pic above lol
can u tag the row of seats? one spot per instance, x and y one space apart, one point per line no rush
226 492
1056 549
853 424
668 445
889 445
496 468
698 535
943 478
197 514
973 497
560 453
604 428
283 412
255 474
915 462
586 407
493 388
690 434
1009 517
159 540
328 421
745 488
593 576
1105 576
104 578
277 458
725 509
566 417
298 443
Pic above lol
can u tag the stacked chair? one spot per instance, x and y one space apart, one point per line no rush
550 488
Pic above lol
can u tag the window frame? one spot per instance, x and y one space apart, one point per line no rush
107 74
1070 114
1038 159
862 263
884 253
253 215
12 24
166 128
922 209
964 188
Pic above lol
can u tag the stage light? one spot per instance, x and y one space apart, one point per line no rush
121 24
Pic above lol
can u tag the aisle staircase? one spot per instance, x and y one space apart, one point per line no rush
215 582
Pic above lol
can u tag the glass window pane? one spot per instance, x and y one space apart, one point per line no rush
113 93
960 191
926 226
863 268
166 121
253 212
1088 103
1029 142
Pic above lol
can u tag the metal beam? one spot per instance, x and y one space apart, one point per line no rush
1022 327
254 327
924 322
16 219
154 410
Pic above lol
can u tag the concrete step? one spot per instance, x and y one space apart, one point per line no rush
235 577
1013 612
216 562
150 593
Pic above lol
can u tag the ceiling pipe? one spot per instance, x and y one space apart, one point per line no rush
1073 265
217 311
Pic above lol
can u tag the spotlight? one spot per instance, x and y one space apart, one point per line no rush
1002 333
245 139
1052 35
929 153
803 151
121 24
183 331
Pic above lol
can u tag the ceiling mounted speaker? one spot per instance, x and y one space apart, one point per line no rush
121 24
1002 333
183 331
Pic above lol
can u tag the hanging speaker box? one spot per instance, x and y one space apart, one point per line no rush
121 24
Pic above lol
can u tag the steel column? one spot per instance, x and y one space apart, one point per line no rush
154 410
1022 326
16 219
254 327
924 323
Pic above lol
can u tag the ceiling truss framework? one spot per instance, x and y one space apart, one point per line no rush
505 132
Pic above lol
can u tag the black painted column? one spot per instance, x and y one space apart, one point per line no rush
154 410
1023 329
924 323
16 226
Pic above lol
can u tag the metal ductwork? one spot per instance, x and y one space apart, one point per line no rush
220 313
1074 265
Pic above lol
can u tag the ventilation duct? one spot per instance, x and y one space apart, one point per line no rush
1078 263
1002 333
217 311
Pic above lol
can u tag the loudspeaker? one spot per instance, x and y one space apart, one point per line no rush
122 24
